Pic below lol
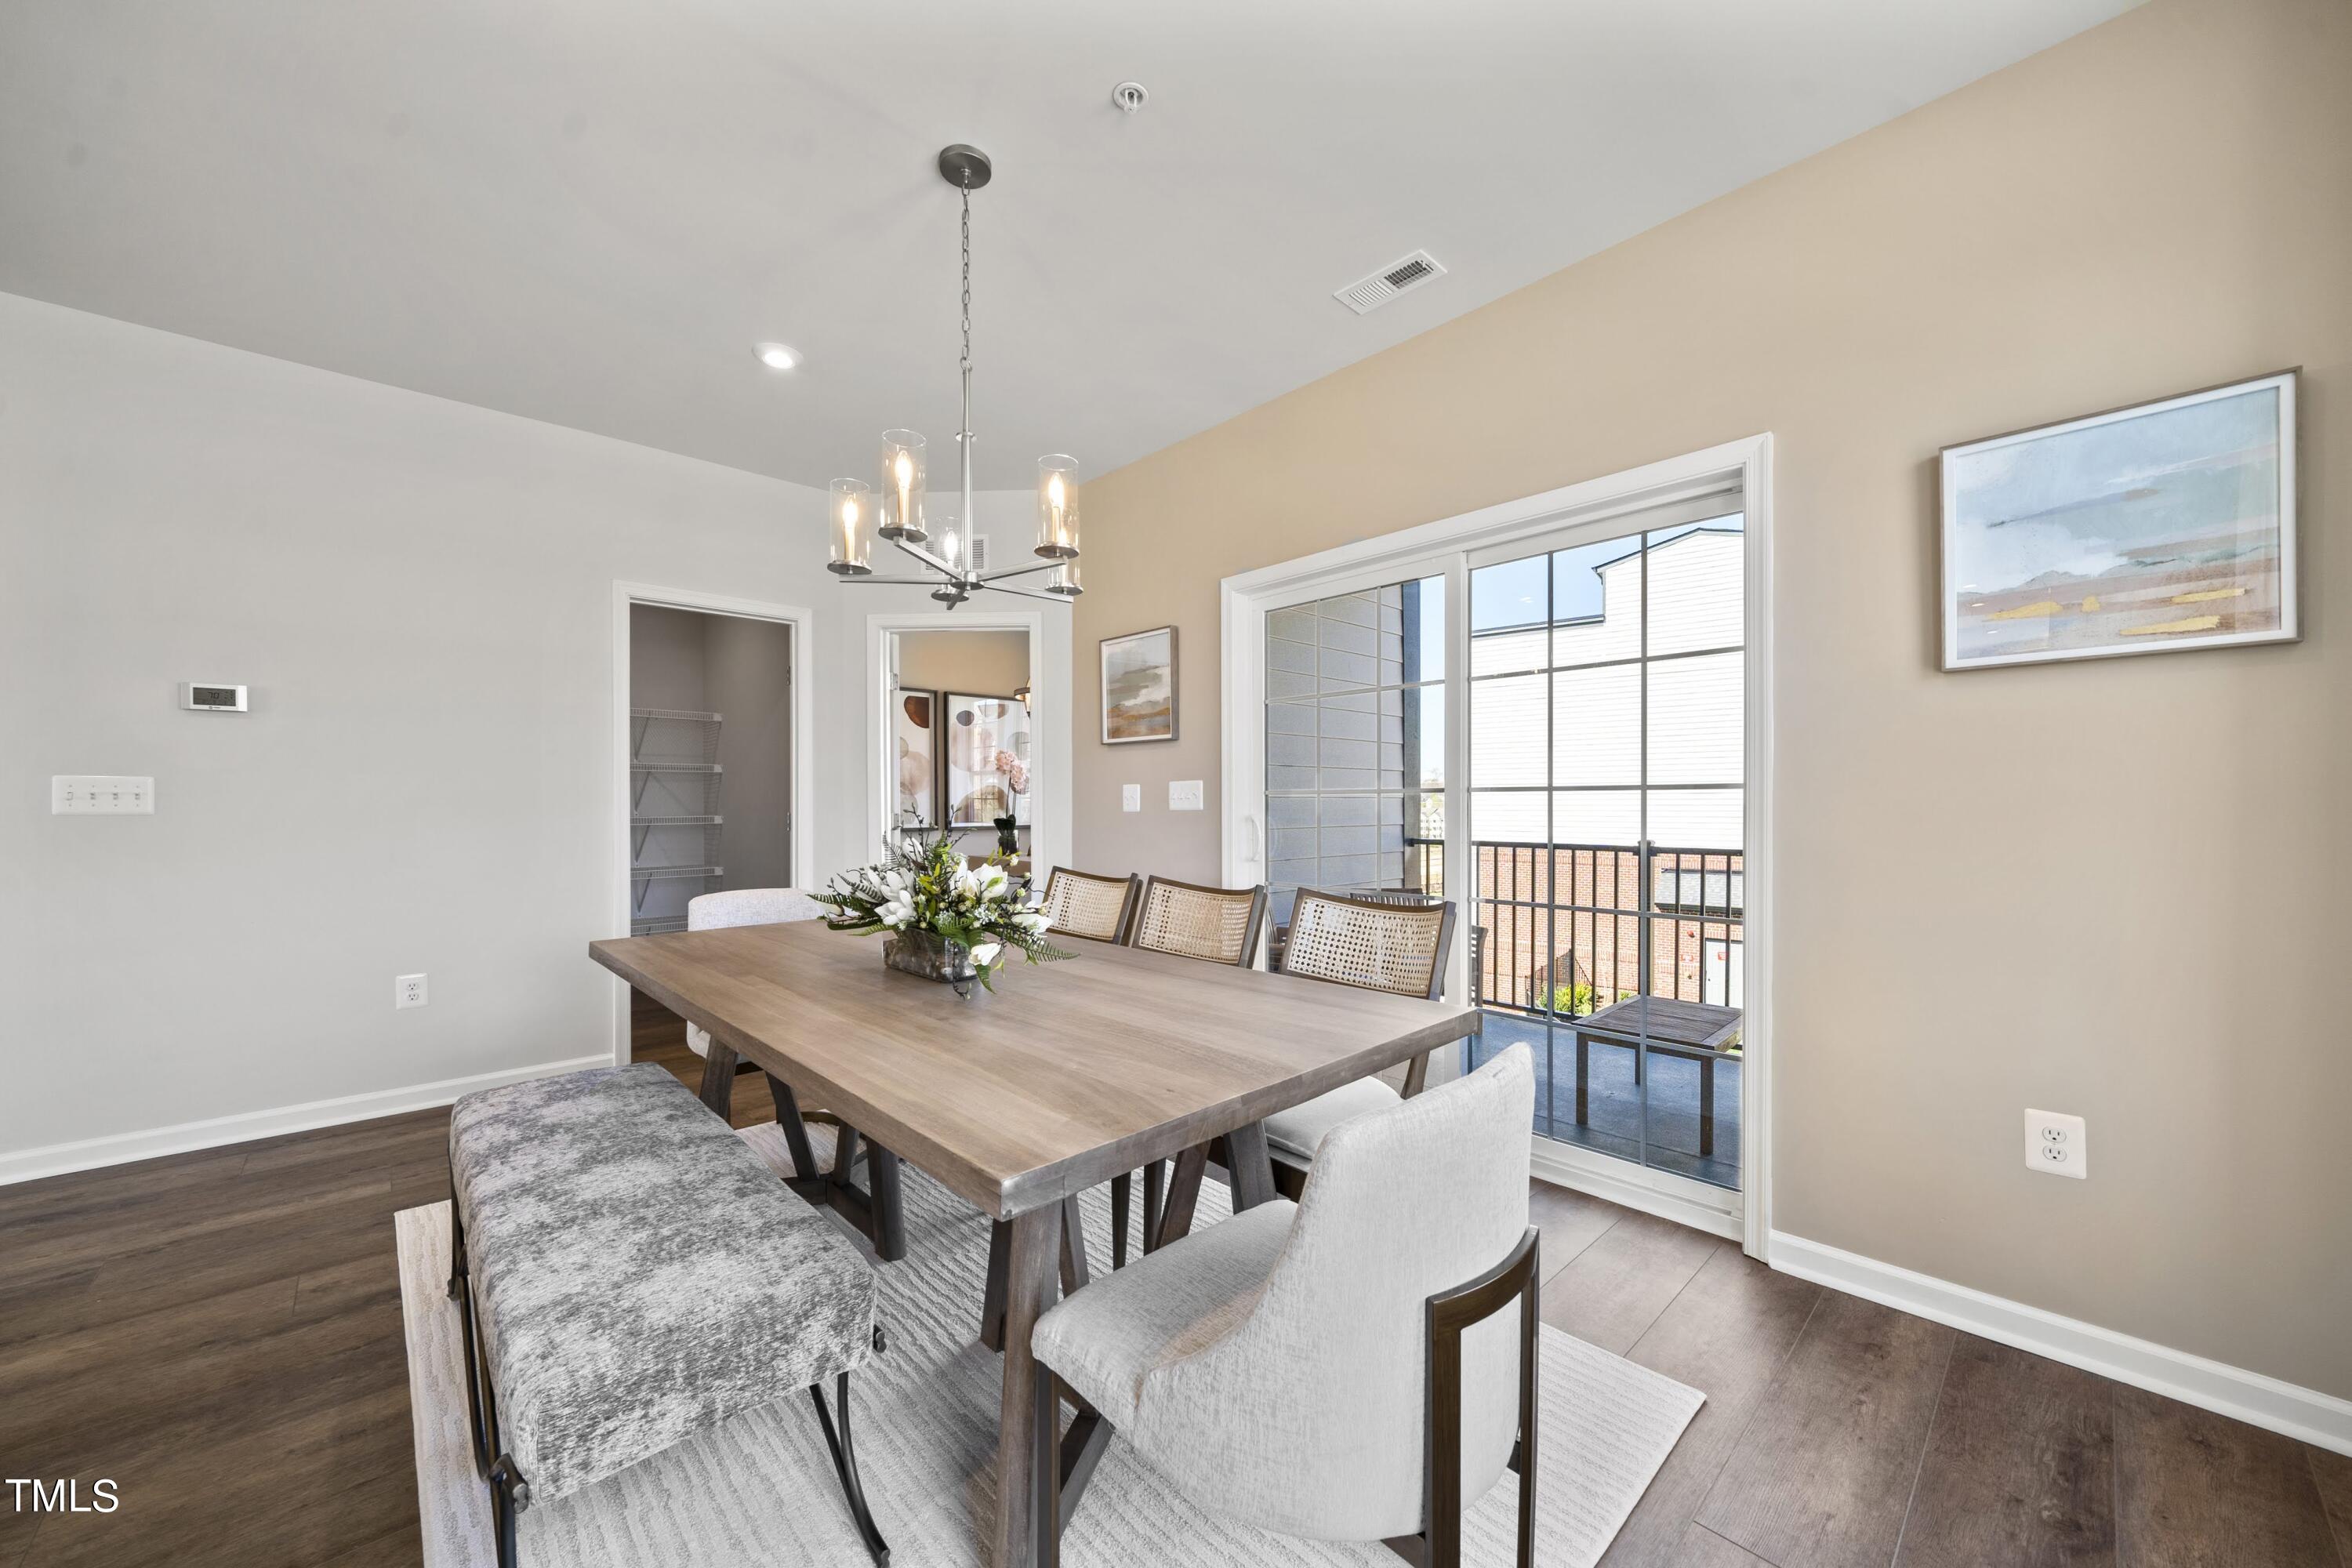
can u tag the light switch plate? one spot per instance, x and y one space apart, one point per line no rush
102 795
1183 794
2057 1145
1131 797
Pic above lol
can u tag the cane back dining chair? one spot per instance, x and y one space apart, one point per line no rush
1356 1366
1378 945
1090 905
1218 925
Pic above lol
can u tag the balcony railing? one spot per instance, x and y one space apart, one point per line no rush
1564 929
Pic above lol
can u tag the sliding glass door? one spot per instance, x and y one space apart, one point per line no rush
1606 791
1541 713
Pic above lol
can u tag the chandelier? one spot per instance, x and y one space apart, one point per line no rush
894 510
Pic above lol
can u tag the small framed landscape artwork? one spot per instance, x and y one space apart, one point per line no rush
988 746
1139 687
2155 528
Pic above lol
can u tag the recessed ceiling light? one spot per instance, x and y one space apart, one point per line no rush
776 356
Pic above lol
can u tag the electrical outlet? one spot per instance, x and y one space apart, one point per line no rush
1131 797
101 795
2056 1145
1183 794
408 990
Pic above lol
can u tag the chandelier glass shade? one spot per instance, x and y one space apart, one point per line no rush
894 508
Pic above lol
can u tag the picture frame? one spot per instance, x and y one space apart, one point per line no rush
1139 687
914 727
986 751
2159 526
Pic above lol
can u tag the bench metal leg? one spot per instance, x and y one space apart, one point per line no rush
509 1493
844 1464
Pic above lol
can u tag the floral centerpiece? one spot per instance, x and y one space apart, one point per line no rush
946 919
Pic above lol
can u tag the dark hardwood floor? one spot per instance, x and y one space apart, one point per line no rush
219 1333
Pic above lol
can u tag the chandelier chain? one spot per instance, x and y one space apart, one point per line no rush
967 277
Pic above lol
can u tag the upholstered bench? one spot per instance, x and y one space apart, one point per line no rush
630 1274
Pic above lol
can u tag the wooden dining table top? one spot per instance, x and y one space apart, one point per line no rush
1069 1073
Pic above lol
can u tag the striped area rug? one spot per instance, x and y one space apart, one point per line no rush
761 1489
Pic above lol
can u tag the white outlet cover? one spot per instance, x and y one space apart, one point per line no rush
408 990
1131 797
2056 1144
1183 794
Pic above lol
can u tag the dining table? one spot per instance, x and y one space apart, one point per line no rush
1067 1073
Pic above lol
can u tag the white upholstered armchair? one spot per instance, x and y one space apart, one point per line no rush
1276 1367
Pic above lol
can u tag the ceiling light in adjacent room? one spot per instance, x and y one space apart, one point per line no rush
776 356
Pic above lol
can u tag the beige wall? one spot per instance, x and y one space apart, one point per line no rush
2113 888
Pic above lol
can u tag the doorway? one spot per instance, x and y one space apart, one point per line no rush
712 802
962 758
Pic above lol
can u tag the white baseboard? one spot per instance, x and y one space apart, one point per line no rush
121 1148
1658 1193
2305 1414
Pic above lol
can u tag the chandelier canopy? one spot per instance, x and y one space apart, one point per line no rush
896 508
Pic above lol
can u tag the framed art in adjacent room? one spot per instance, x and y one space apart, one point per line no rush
988 753
914 719
2154 529
1139 687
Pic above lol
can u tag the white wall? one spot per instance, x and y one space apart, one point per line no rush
420 593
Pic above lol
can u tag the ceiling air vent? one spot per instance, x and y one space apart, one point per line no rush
1390 281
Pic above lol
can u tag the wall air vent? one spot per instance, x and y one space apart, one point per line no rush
1390 281
976 552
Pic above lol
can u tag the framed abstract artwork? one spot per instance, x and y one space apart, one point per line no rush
987 745
915 731
1139 687
2155 528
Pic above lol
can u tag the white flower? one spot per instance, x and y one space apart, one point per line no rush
896 913
1032 921
985 953
966 883
993 880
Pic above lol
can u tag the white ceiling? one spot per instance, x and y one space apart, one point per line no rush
587 211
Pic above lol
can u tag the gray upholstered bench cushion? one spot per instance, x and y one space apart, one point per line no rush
638 1273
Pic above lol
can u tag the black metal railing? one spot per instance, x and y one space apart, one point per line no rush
1564 929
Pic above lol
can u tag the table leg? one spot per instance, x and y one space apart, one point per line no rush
1121 1192
1074 1273
1249 1166
1183 1192
1026 1466
719 1080
991 1301
1155 1182
889 1204
1705 1106
788 1117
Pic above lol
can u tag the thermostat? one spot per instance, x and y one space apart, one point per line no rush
208 697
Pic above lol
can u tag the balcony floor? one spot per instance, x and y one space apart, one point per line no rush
1614 1121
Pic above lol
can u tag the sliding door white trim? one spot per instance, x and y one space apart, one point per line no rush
1446 548
803 687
